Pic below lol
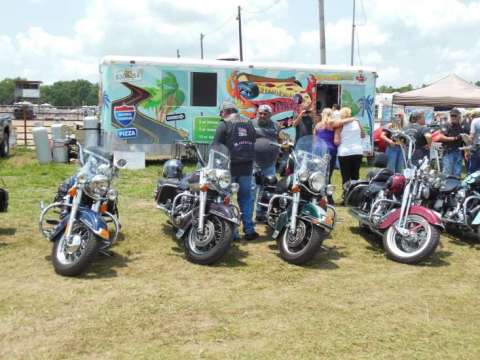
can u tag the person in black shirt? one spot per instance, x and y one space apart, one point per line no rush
421 134
238 135
304 122
450 136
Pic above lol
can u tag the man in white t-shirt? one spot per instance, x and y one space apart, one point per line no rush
474 164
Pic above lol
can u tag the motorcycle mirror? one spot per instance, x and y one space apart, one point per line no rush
121 163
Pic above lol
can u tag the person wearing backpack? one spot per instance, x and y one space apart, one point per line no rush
238 135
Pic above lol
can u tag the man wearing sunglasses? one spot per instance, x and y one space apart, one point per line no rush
450 136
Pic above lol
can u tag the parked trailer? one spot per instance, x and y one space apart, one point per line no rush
149 103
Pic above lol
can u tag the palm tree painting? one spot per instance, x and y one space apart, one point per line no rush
366 104
165 97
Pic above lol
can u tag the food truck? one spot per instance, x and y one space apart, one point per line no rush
147 104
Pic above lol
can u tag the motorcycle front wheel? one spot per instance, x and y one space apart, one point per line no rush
71 259
303 245
419 244
212 245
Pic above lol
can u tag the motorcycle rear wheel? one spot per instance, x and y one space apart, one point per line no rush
407 251
216 241
77 262
300 248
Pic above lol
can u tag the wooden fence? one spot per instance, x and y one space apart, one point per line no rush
45 117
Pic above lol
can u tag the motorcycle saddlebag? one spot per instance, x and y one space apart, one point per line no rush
167 189
3 200
354 192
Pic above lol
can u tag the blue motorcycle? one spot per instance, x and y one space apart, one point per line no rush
83 219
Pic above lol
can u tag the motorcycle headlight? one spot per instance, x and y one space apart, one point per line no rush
303 175
425 192
234 187
98 186
330 190
112 194
224 179
317 181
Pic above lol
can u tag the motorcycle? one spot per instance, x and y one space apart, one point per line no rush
386 204
457 201
297 208
198 204
83 219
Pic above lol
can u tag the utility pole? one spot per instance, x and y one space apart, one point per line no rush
353 34
201 45
321 18
178 53
239 18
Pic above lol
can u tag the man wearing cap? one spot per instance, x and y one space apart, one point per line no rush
395 160
450 136
238 134
266 132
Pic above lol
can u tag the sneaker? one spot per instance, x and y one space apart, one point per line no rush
251 236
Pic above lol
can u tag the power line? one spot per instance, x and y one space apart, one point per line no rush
276 2
221 26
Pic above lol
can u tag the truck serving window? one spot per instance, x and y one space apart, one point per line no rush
204 89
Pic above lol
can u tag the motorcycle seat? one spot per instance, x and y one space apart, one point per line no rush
169 181
450 185
379 175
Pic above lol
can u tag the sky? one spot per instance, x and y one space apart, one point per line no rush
406 41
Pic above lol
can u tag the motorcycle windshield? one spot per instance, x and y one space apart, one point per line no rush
218 157
93 164
311 154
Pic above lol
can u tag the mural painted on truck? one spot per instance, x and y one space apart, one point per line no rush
151 105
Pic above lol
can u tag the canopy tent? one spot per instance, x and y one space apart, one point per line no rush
451 91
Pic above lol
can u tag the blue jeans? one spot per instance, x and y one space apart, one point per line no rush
268 170
245 201
452 163
474 163
395 160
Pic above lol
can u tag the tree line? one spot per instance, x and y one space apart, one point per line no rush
60 93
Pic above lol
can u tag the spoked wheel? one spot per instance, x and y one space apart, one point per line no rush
420 242
210 246
301 246
72 256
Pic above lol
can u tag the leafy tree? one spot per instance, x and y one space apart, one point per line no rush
390 89
7 90
477 83
70 93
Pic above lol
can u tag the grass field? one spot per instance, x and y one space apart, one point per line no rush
148 302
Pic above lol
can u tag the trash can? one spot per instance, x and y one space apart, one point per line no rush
60 151
42 148
90 126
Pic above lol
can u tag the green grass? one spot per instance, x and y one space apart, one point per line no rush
148 302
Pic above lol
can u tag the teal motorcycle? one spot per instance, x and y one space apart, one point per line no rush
297 207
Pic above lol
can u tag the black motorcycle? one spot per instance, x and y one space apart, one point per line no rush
83 218
457 201
198 204
297 207
3 197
